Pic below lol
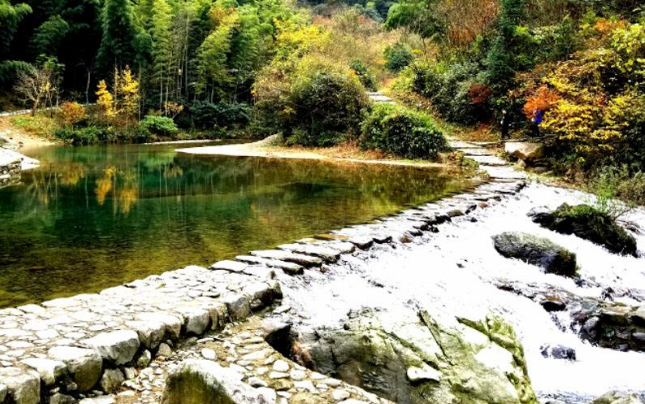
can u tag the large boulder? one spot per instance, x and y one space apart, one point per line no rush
199 381
614 397
21 387
117 347
589 224
421 361
84 365
536 251
524 151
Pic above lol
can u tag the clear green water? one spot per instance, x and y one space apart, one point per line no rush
95 217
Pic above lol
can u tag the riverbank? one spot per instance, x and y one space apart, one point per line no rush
272 148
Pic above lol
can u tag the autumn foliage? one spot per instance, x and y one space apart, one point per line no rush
72 113
542 100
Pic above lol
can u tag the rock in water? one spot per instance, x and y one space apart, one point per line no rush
589 224
558 352
614 397
199 381
536 251
420 362
524 151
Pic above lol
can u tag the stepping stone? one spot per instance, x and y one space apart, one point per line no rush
504 173
300 259
468 151
326 253
489 160
288 267
228 265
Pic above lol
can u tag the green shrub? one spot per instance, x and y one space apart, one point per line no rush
398 56
208 115
399 131
454 91
364 75
161 126
85 136
327 108
613 184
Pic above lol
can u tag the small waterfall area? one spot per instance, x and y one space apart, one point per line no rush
457 272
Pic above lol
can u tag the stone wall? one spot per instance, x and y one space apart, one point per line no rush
9 173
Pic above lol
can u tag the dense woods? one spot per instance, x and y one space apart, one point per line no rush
168 68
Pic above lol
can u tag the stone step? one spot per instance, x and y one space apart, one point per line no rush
489 160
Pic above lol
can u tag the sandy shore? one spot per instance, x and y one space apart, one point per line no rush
19 138
268 148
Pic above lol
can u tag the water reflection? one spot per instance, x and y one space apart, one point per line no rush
94 217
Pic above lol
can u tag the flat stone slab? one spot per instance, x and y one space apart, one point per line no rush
288 267
474 151
321 251
300 259
504 173
489 160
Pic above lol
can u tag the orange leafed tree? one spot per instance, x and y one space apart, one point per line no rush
542 100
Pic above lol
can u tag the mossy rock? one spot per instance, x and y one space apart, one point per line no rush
537 251
590 224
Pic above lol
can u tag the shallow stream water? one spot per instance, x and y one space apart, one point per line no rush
97 216
454 273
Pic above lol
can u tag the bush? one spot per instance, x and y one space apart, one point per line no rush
364 75
161 126
208 115
398 131
398 57
72 113
84 136
611 184
326 107
454 91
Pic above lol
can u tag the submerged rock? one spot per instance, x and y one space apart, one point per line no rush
558 352
200 381
611 325
421 361
536 251
589 224
614 397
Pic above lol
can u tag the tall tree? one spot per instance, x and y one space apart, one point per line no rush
119 34
160 25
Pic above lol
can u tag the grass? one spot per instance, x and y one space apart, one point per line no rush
41 125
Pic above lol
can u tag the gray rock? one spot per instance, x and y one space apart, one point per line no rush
111 380
558 352
21 387
323 252
144 359
288 267
209 354
536 251
117 347
419 374
173 323
83 365
150 333
207 382
229 266
49 370
196 320
61 399
300 259
98 400
614 397
238 307
164 351
524 151
639 316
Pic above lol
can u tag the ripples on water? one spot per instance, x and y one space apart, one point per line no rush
452 273
94 217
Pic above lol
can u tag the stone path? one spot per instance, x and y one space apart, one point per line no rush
242 349
496 167
379 98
